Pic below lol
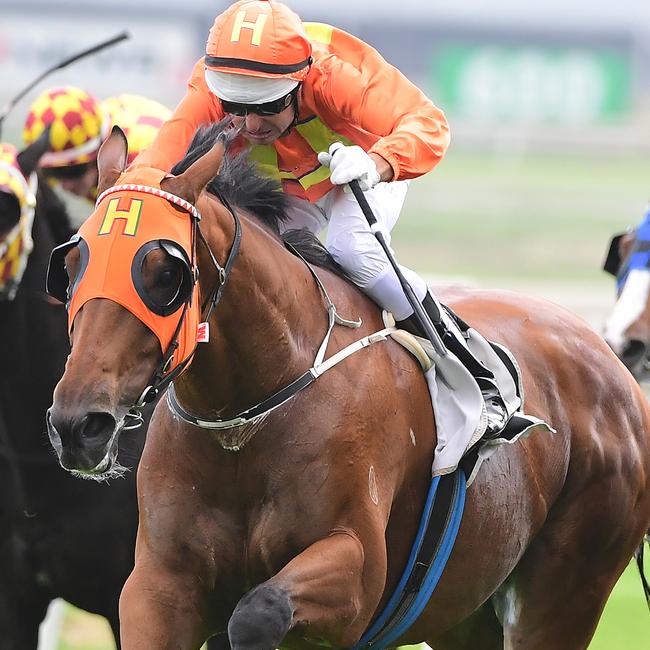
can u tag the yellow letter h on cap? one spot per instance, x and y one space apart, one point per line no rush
257 27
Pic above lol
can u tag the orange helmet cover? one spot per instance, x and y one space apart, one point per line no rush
260 38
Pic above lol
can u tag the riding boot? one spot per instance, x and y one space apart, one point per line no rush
497 412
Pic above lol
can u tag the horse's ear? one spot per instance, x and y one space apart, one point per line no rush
111 159
29 157
193 180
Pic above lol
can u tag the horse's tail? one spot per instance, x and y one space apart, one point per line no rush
638 554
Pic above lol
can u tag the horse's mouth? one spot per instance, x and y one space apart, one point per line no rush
108 468
98 463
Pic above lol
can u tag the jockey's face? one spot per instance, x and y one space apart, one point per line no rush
265 129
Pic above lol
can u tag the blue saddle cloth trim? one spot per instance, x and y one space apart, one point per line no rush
409 599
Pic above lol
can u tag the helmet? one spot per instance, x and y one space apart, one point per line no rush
79 126
12 180
257 51
16 244
139 117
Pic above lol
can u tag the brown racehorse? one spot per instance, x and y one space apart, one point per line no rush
295 531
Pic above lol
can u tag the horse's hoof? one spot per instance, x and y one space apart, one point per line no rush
261 619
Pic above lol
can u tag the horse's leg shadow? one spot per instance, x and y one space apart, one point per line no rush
481 629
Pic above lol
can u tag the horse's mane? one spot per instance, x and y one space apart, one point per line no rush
242 185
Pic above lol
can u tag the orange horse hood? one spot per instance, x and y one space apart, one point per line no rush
128 221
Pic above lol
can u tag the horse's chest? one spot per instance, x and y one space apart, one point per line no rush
274 538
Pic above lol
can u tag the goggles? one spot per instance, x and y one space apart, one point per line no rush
268 108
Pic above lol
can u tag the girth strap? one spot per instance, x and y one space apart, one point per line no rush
434 541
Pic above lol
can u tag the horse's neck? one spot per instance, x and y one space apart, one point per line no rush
265 330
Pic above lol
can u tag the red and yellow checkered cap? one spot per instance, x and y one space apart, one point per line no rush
139 117
79 125
12 180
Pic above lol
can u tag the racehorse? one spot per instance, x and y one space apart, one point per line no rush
58 538
285 516
627 329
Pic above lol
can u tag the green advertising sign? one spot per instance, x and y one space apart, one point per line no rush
533 83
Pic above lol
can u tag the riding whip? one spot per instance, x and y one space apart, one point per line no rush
418 310
66 62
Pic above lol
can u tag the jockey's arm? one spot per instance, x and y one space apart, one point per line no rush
197 108
384 168
414 133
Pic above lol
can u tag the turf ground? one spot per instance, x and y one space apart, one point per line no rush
540 225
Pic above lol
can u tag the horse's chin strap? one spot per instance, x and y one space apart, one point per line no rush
320 366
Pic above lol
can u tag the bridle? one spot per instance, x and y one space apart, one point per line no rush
161 378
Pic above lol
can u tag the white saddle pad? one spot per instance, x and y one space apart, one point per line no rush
458 405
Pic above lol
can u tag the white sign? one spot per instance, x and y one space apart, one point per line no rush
155 62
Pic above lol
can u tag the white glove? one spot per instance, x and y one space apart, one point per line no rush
350 164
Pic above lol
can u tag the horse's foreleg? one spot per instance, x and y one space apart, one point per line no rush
161 611
325 591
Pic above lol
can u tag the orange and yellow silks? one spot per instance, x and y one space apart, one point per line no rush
126 218
17 244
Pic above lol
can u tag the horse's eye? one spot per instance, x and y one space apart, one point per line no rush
168 278
161 278
167 283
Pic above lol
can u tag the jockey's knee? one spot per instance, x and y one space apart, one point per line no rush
360 256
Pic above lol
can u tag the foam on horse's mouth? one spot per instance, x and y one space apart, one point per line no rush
108 467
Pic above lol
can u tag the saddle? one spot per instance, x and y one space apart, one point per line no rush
469 426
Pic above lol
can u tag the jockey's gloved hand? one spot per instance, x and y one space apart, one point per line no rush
350 164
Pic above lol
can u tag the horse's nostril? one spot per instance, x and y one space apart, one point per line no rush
96 426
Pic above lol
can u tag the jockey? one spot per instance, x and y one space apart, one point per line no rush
80 123
319 108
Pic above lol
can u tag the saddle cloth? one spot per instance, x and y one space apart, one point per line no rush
465 429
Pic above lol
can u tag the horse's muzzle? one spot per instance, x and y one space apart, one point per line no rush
82 442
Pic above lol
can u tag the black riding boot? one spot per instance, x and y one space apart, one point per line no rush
484 377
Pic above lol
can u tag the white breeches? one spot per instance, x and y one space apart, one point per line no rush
352 244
